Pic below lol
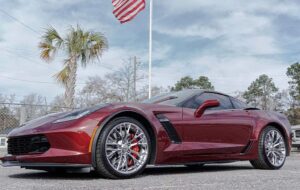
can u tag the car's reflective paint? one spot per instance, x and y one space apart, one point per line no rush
218 135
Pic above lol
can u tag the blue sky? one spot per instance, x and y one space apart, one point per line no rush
232 42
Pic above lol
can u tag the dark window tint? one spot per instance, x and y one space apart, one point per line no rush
195 102
238 104
172 98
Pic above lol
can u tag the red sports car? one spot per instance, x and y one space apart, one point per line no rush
190 127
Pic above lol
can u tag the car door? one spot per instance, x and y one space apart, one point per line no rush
220 130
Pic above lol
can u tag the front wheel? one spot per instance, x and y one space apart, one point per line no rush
123 149
272 150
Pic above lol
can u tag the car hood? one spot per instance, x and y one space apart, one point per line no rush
43 120
47 120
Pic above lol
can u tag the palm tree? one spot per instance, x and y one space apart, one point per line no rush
78 46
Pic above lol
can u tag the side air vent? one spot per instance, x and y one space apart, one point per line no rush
248 147
171 131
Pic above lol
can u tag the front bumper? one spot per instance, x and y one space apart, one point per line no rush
69 144
8 163
53 155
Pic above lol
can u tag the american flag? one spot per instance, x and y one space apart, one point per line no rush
126 10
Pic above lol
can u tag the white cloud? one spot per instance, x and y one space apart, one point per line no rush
189 31
239 34
228 74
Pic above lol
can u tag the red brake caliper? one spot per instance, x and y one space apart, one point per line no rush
135 148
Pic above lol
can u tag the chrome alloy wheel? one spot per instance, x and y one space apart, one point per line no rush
126 148
275 148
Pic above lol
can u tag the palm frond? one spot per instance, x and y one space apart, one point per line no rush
50 43
96 45
63 76
53 37
46 51
85 45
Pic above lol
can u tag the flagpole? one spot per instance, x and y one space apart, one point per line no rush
150 48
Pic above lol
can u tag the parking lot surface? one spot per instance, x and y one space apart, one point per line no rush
238 175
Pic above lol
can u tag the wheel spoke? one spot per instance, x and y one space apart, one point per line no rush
275 148
119 162
134 152
136 137
113 153
141 144
126 147
280 143
128 130
112 144
111 149
133 158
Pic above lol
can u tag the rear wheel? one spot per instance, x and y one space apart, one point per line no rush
272 150
123 149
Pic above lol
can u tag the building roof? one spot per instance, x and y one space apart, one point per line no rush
296 127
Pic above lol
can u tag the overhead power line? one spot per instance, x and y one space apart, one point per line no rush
32 81
27 58
19 21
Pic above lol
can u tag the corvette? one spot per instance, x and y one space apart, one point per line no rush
190 127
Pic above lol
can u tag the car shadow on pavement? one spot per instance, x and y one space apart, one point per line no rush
163 170
56 176
183 169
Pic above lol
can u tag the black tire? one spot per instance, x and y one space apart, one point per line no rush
262 161
103 167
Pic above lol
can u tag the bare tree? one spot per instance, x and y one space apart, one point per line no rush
127 78
119 86
99 90
57 104
34 106
143 93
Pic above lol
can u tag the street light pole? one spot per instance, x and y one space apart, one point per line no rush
150 48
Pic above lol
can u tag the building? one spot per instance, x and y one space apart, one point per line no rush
3 141
296 136
3 137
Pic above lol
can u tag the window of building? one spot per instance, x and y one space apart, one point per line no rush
2 141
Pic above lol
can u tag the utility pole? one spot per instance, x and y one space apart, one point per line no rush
128 80
135 65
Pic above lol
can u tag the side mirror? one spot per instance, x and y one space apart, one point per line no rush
207 104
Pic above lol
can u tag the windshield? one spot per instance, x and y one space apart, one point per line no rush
172 98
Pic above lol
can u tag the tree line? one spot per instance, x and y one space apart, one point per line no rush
262 92
118 86
81 47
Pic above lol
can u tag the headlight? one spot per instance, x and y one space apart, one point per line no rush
79 113
73 116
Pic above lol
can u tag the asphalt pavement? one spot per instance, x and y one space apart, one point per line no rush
238 175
